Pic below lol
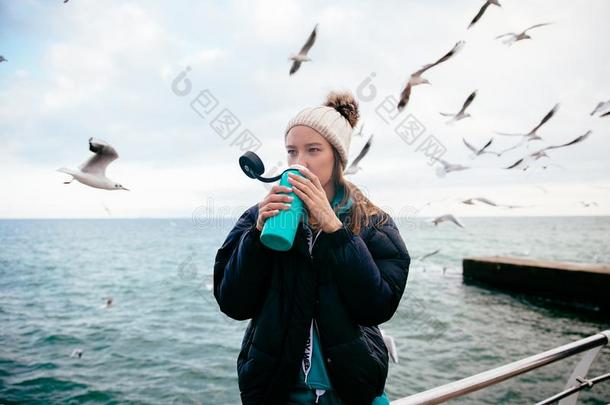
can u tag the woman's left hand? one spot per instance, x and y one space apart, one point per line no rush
309 189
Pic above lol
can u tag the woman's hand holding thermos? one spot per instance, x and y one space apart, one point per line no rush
272 203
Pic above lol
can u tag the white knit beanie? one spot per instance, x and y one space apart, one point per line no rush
334 120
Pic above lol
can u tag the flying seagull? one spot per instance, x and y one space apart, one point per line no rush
3 59
603 107
93 171
480 151
462 113
427 255
471 201
448 167
482 11
526 160
353 167
417 210
587 205
302 55
531 135
416 79
447 218
77 353
512 37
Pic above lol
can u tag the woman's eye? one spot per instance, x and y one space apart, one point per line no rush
290 151
314 149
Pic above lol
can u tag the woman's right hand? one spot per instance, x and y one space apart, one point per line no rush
272 203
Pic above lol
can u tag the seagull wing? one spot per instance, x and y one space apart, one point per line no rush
547 117
441 161
487 145
469 146
507 134
104 154
352 169
572 142
597 107
486 201
506 35
364 151
456 48
536 26
516 164
454 220
391 346
404 96
605 114
295 66
310 41
468 101
479 14
515 146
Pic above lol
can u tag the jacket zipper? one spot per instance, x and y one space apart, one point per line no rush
314 241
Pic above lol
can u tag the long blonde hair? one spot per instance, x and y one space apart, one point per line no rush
362 210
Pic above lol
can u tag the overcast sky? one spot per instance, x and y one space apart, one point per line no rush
105 69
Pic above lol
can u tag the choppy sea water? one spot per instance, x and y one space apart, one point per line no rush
165 341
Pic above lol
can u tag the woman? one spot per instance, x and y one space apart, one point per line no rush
314 310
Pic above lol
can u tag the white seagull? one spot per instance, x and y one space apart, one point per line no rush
587 205
302 55
77 353
93 171
416 79
603 107
448 167
391 346
513 37
531 135
482 11
526 160
484 200
353 167
479 151
462 113
447 218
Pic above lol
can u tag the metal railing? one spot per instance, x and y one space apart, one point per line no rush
590 345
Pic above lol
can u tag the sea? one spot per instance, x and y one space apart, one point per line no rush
164 341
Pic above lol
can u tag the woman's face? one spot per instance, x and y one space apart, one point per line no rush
305 146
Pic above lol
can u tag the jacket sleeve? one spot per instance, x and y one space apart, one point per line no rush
371 277
241 269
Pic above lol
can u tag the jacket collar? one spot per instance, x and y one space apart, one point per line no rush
304 231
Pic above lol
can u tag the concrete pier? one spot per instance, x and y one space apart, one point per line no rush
579 285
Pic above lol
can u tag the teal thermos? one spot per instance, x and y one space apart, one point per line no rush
279 230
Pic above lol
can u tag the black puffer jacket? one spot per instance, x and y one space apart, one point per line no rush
349 284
